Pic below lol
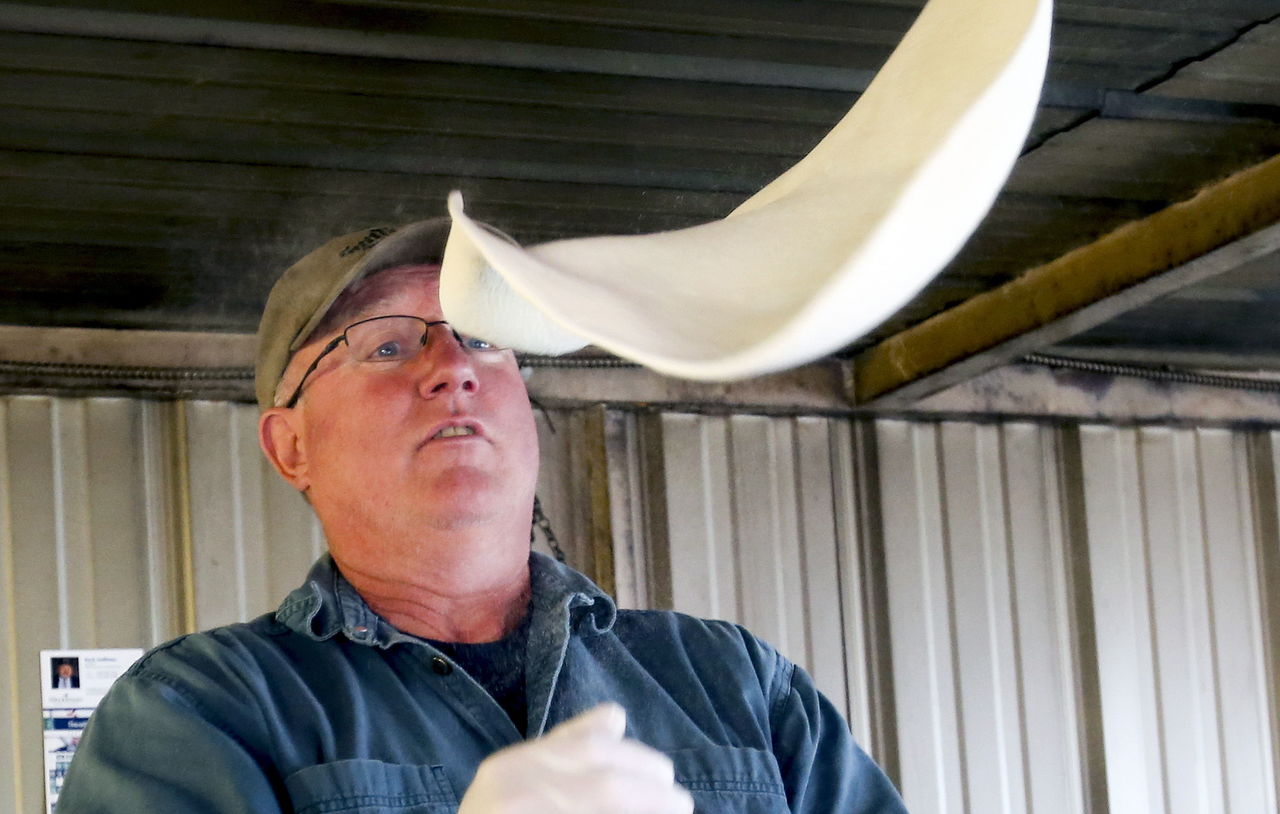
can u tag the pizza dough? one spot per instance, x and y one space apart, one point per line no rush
814 260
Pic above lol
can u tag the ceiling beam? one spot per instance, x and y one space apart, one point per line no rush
178 364
1044 392
1226 224
80 362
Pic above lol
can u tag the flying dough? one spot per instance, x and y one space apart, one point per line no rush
817 258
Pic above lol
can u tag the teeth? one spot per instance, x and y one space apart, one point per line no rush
454 432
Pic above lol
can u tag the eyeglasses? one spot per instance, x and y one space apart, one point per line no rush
390 341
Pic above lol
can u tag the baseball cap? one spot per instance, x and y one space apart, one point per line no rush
304 293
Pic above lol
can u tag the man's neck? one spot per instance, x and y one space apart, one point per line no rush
445 604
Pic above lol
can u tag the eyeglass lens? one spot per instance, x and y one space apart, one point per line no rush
397 338
386 339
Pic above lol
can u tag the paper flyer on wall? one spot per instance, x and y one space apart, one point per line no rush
72 683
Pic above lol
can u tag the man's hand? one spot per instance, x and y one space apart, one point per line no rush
583 766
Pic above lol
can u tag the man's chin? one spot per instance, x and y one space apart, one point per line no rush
469 492
462 483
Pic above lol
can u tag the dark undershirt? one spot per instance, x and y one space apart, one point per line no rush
498 667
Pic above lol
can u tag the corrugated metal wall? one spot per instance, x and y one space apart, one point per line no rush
763 531
1078 619
1015 617
86 557
986 673
1177 558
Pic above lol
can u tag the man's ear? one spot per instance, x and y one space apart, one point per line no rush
283 445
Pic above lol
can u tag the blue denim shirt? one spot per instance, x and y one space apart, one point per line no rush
323 707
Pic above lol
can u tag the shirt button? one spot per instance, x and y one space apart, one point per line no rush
441 665
360 629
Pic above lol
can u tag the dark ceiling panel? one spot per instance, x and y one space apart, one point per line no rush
1191 327
202 67
110 287
1246 73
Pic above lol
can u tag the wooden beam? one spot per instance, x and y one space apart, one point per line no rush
1224 225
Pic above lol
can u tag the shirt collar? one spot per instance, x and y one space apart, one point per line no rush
326 604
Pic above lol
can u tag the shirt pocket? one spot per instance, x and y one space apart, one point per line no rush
370 787
724 779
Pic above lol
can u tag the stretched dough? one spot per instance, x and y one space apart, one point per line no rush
820 256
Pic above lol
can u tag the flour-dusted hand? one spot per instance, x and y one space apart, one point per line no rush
583 766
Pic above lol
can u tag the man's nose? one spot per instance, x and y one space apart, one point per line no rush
446 366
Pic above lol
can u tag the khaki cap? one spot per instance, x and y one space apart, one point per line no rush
302 296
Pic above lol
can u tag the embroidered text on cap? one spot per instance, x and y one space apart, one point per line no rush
367 242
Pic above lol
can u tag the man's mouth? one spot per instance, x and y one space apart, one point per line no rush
454 432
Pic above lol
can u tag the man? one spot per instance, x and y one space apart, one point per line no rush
431 663
66 677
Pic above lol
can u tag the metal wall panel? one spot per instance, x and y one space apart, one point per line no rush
12 772
1186 692
253 536
573 489
633 528
85 559
982 642
867 690
758 513
923 650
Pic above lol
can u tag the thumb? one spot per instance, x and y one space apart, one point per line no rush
607 721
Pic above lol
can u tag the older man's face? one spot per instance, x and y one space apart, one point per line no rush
381 453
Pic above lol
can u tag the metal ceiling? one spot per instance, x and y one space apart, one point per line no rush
161 161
